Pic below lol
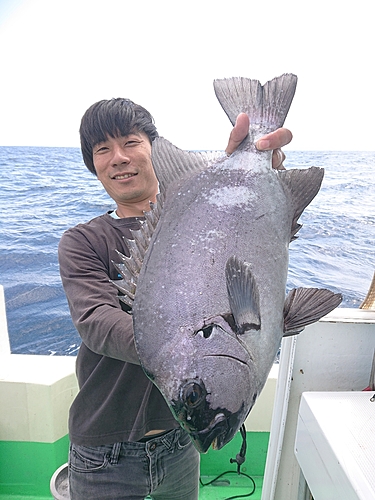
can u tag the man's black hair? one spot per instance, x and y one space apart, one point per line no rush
113 118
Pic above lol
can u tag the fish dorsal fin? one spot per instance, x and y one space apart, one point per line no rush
267 106
302 185
172 164
243 295
130 267
304 306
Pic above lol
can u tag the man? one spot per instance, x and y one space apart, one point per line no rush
125 443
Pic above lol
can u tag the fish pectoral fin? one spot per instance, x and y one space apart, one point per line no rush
304 306
302 185
172 164
243 295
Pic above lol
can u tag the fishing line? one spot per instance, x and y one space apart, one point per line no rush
239 460
232 472
241 456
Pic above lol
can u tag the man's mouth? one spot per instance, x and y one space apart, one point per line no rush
122 176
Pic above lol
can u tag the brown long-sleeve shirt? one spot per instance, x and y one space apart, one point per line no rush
116 401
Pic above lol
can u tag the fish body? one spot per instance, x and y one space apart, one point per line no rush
210 309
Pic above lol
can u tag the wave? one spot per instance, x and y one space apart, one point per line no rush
44 191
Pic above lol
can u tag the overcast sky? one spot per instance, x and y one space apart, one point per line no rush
60 56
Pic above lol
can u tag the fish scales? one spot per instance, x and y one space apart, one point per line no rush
208 228
210 308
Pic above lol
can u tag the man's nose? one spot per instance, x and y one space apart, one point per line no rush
119 156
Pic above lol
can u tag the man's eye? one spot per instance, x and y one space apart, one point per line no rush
101 150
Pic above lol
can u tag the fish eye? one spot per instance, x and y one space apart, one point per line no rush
206 331
193 394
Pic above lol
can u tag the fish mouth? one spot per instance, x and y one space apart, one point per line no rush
211 434
207 422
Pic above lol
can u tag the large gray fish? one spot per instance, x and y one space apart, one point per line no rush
209 307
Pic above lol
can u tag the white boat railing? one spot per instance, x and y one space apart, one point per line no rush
334 354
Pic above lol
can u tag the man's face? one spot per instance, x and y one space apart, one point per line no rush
123 165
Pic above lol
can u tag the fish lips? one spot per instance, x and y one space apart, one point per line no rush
218 433
214 434
205 425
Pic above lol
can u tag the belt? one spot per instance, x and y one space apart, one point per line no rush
152 436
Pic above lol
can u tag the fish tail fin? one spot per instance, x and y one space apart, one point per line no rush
266 105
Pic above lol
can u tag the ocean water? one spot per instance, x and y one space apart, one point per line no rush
44 191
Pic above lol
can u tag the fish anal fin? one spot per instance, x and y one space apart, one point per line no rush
304 306
242 295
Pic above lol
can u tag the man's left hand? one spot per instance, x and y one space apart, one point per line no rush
270 142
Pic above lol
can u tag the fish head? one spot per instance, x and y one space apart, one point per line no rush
216 389
216 358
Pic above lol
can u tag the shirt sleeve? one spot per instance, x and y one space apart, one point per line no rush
93 300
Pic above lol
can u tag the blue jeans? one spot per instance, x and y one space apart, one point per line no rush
165 467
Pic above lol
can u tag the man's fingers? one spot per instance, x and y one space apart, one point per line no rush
238 134
277 159
270 142
275 140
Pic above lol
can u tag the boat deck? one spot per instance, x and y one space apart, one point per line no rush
231 486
